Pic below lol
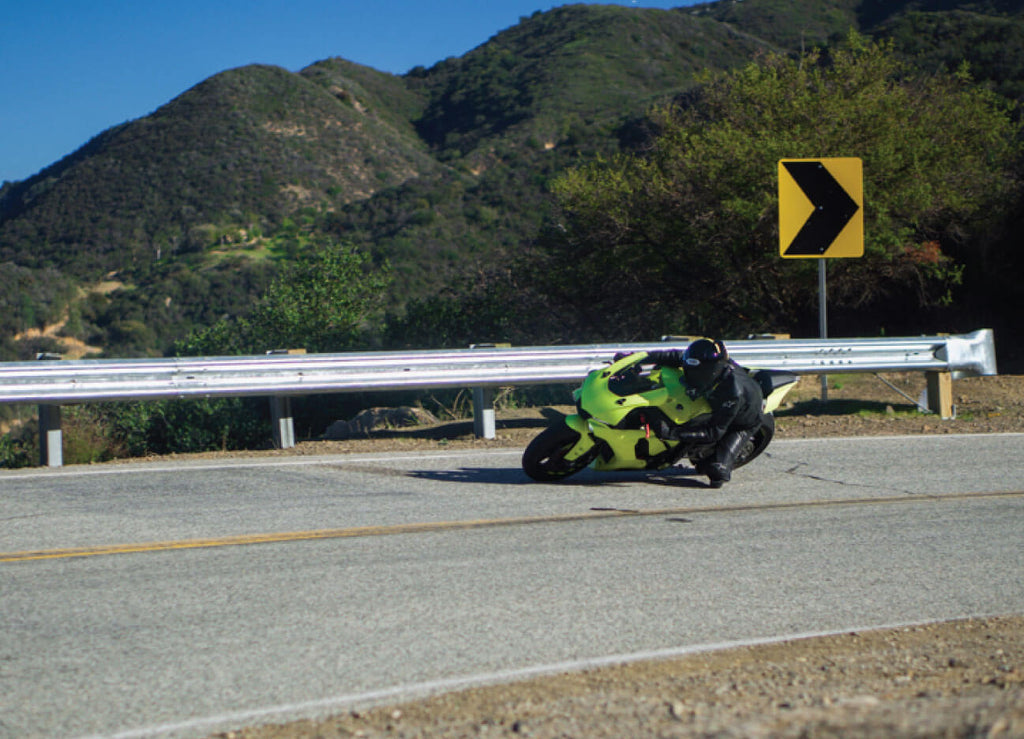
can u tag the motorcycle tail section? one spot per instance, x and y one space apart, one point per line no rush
775 384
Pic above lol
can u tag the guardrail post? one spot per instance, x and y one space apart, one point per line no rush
284 424
483 400
51 440
483 412
281 411
940 394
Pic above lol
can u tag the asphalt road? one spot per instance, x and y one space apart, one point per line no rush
183 599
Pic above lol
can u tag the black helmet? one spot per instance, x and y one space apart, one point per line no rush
704 362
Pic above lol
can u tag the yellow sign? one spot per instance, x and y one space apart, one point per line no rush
821 208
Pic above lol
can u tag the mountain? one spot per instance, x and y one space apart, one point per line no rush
442 171
574 64
570 83
244 146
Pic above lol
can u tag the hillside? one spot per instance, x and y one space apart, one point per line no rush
247 145
442 172
570 67
531 101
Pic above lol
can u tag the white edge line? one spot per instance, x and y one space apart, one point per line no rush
325 707
894 437
202 466
356 458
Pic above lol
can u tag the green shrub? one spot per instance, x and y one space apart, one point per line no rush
20 447
183 426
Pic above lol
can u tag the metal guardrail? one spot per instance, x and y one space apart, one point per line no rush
63 382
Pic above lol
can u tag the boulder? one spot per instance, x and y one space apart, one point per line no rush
375 419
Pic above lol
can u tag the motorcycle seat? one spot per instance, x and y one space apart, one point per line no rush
772 380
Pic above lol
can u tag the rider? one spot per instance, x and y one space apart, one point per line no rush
735 398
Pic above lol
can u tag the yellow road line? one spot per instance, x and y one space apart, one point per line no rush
436 526
290 536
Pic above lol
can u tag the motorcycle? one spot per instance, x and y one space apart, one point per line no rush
620 407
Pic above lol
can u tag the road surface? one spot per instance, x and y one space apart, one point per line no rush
179 599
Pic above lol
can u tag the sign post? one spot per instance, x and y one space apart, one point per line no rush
821 215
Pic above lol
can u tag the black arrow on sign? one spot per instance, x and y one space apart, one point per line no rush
833 208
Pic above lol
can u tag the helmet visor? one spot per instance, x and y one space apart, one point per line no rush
700 374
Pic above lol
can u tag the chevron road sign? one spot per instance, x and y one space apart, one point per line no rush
821 208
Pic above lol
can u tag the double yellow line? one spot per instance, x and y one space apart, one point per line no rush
440 526
292 536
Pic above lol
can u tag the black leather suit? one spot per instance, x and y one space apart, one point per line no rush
736 412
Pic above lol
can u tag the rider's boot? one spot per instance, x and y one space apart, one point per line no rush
719 471
718 474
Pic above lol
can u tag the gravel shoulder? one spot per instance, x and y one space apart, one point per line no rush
958 679
952 679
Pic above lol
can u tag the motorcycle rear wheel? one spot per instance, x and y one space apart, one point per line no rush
544 458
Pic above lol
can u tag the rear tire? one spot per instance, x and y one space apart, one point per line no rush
544 459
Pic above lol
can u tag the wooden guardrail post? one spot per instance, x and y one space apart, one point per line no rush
940 394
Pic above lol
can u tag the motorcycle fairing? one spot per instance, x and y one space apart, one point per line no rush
622 404
586 441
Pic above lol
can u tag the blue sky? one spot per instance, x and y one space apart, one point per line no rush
73 68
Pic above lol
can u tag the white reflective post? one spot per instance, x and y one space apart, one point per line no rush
51 439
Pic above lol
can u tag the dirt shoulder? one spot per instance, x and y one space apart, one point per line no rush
954 679
958 679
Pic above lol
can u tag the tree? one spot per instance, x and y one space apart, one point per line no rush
686 232
321 302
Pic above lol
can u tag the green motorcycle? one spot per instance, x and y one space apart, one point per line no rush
618 409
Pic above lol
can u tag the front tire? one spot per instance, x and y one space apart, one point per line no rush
544 458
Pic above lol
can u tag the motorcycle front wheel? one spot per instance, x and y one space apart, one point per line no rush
544 458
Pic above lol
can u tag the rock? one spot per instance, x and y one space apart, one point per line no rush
374 419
